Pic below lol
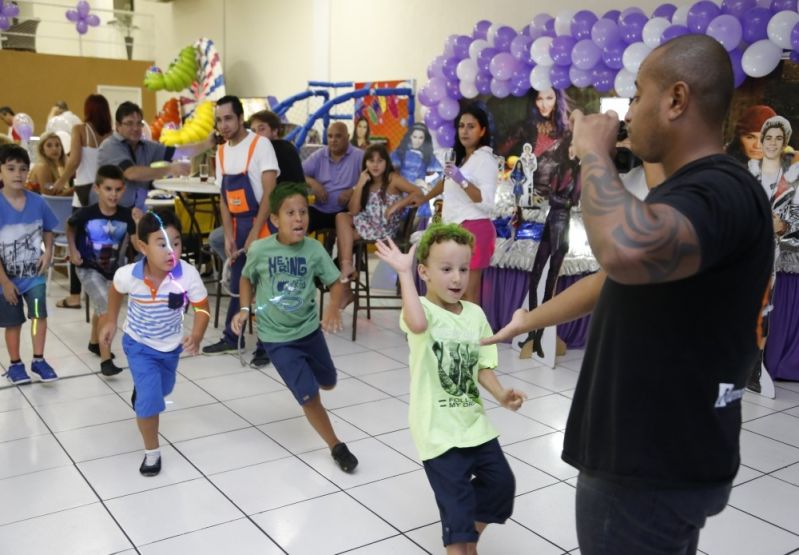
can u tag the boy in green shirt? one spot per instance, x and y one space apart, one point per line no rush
282 267
471 479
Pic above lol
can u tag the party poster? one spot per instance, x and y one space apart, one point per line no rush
387 116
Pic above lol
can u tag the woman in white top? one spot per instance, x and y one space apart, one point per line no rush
469 188
82 163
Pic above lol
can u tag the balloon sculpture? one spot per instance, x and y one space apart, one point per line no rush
196 128
8 11
584 49
82 18
22 125
181 74
168 118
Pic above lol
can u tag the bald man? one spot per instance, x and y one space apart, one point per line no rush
677 306
331 173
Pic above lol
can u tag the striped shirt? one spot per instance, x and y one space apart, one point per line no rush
152 319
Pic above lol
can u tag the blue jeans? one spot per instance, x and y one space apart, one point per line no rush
618 519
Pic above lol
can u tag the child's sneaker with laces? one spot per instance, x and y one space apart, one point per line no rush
43 370
17 375
345 460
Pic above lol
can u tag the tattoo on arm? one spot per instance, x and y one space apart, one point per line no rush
640 243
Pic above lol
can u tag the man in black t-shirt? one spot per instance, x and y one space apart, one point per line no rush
656 414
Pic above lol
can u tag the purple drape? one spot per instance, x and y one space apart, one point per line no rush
782 345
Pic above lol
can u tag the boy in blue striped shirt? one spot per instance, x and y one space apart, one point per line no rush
159 286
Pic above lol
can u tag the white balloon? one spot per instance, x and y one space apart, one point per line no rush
625 83
59 123
634 55
476 47
491 34
563 22
780 27
539 78
66 140
467 70
539 51
760 58
468 89
653 31
680 16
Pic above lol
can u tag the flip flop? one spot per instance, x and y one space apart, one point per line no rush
64 304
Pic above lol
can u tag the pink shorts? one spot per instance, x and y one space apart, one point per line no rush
485 237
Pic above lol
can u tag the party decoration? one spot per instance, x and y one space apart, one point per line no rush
8 11
539 78
181 73
168 116
82 17
539 51
700 15
605 32
561 50
559 77
761 58
631 26
727 30
625 83
755 24
502 66
563 23
653 31
634 56
585 54
666 11
582 23
780 27
22 124
196 128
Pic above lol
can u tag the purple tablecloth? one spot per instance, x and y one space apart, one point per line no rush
782 345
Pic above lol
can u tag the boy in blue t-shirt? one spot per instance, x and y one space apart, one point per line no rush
25 223
98 236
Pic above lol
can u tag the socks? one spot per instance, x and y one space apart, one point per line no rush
37 358
151 456
16 361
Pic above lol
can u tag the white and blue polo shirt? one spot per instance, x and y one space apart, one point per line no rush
150 319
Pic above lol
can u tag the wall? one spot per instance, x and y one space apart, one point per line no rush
33 82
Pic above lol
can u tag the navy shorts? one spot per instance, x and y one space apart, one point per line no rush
304 364
471 484
12 316
154 373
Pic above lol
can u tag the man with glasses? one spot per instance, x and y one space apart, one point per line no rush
127 149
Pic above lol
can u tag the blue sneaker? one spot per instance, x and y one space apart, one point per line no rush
17 375
43 370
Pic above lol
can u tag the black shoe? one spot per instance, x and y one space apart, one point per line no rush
219 348
95 348
345 460
108 368
754 380
259 359
133 399
152 469
537 343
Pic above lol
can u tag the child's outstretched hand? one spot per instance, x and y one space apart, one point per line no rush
238 321
389 253
331 323
515 327
512 399
191 345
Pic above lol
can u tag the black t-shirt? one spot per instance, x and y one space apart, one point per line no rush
288 160
658 398
101 239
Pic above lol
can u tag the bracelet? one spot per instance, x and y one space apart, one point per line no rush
465 185
247 308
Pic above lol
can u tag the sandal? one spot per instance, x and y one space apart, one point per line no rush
64 304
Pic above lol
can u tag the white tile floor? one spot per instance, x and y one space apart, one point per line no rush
244 473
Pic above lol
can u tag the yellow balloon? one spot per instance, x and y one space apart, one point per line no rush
510 161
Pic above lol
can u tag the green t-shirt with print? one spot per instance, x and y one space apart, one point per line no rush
446 410
285 295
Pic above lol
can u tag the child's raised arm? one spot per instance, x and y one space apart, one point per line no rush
412 311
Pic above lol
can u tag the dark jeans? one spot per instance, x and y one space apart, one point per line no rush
320 220
617 519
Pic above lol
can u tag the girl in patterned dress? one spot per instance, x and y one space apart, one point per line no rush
375 207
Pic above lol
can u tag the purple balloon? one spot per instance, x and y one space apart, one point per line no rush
460 49
520 48
4 23
737 7
605 32
83 10
10 10
81 26
580 77
737 69
453 90
550 28
755 24
424 99
672 32
449 68
559 76
485 56
794 57
542 20
435 68
480 30
502 66
726 29
432 119
93 20
582 23
520 88
436 89
503 37
631 26
448 108
72 15
500 88
561 50
586 54
612 56
782 5
449 46
795 37
701 14
483 82
665 10
445 134
613 15
602 78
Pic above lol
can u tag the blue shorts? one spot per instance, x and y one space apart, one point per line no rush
14 315
471 484
304 364
154 374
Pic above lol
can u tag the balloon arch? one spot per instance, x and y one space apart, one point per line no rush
585 50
